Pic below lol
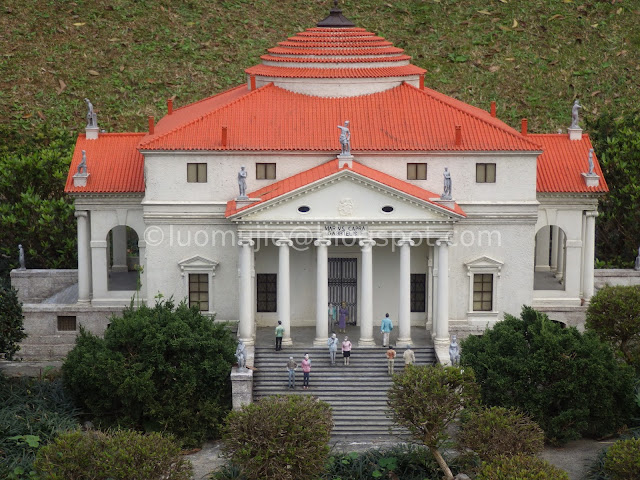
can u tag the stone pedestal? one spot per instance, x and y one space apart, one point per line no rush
80 179
575 133
591 179
345 161
441 346
241 387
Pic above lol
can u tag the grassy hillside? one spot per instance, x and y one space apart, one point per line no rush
128 56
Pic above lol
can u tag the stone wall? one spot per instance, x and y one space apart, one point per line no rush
36 285
613 277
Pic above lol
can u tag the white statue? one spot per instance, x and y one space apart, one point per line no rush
454 351
241 355
92 119
345 138
21 257
447 185
637 267
242 182
82 166
574 114
591 166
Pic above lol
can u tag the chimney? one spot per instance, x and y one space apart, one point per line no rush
151 125
252 82
493 108
524 126
458 134
422 82
170 106
224 136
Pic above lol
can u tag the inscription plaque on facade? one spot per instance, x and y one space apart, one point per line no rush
345 230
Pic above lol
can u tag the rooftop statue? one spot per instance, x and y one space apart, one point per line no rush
575 118
82 166
92 119
591 166
447 185
21 257
345 138
242 182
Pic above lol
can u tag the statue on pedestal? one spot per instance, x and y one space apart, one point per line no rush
82 166
637 267
92 119
345 138
574 114
242 182
454 351
241 355
447 185
21 257
591 165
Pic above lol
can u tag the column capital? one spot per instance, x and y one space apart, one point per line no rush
80 213
283 242
322 242
444 241
246 242
405 241
367 243
591 213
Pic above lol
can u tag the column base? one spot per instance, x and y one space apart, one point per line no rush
441 346
403 342
247 340
84 302
320 342
287 342
366 342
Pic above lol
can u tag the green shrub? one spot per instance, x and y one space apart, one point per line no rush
496 431
520 467
161 368
283 437
569 383
622 460
32 413
426 399
11 321
119 455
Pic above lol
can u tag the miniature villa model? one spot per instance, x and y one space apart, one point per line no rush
262 203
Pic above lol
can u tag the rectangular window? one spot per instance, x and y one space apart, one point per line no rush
485 172
418 292
265 171
416 171
196 172
199 291
267 292
483 292
66 323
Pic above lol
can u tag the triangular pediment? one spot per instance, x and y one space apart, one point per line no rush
484 262
347 196
197 263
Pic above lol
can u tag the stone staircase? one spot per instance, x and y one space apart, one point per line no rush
357 393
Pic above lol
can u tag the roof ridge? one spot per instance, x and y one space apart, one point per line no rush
205 115
114 134
209 97
452 102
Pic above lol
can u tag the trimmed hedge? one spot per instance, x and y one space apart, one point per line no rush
520 467
622 460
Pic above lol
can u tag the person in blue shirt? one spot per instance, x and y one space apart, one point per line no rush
385 328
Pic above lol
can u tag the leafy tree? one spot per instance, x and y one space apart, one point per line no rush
34 211
161 368
617 141
570 383
283 437
614 314
11 320
426 399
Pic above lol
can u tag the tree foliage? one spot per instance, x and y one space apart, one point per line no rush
622 460
617 141
34 211
161 368
614 314
11 321
283 437
569 383
426 399
520 467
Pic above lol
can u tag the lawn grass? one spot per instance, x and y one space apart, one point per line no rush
128 56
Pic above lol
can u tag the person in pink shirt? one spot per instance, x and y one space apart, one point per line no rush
306 369
346 350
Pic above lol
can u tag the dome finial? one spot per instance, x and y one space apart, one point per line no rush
336 19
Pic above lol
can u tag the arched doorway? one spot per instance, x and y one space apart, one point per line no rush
123 258
550 258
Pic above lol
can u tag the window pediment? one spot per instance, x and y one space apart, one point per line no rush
197 264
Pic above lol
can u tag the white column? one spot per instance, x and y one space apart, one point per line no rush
441 342
589 255
542 249
284 289
404 293
583 239
119 249
561 241
142 261
322 292
84 271
99 270
245 293
554 247
366 319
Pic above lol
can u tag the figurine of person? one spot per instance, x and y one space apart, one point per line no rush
82 166
385 328
332 313
637 267
291 369
242 182
306 370
391 359
408 356
454 351
240 355
343 313
575 117
346 350
591 165
332 343
91 116
21 257
447 185
345 138
279 335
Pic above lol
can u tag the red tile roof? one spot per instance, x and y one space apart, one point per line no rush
334 51
404 118
327 59
113 162
563 161
324 72
320 172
